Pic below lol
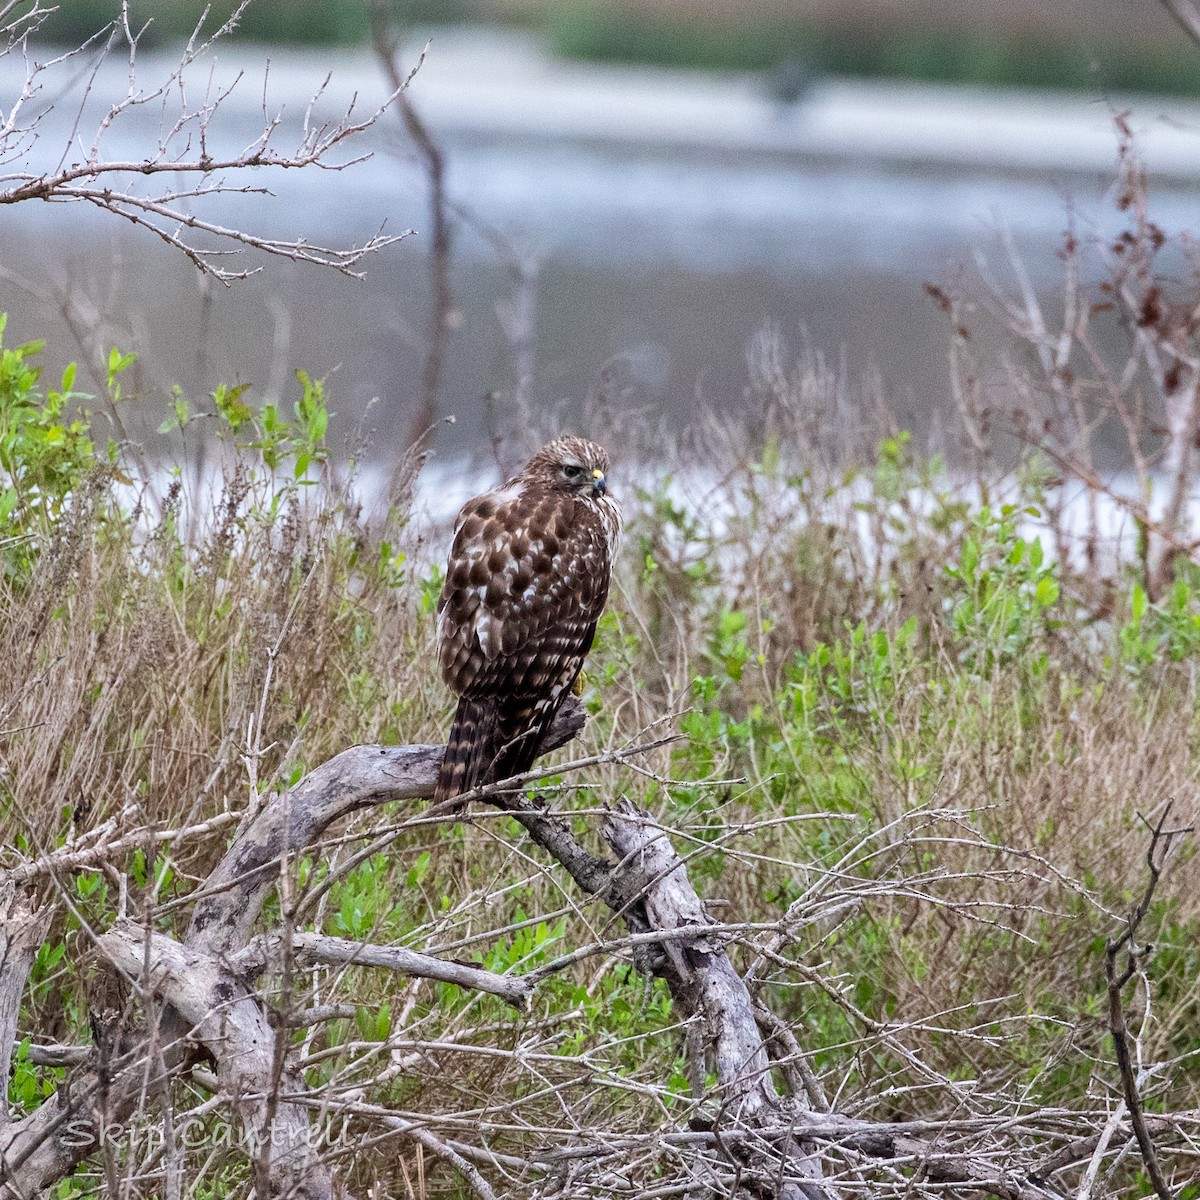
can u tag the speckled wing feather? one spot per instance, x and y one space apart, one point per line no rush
527 580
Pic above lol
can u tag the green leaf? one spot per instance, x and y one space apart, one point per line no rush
970 558
419 870
1139 602
118 362
1047 591
235 411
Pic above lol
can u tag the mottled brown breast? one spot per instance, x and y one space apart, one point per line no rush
527 578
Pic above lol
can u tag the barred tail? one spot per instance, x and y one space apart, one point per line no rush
521 728
490 740
470 749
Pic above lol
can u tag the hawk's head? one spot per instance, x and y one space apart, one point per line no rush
571 464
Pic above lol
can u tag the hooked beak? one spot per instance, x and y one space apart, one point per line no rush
599 486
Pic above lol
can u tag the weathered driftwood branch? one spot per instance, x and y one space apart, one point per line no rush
703 982
232 1025
698 970
773 1138
319 949
361 777
22 928
49 1143
55 1055
648 887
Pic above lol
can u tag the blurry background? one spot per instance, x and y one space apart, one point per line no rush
636 188
1094 44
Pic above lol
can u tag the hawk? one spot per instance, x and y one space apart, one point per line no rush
526 582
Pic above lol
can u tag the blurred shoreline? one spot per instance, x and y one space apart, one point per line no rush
487 84
494 83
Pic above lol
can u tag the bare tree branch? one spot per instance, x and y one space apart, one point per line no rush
387 51
1187 13
84 174
22 927
234 1028
1135 956
314 948
357 778
206 1002
746 1135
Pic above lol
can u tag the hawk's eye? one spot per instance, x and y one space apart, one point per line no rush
571 471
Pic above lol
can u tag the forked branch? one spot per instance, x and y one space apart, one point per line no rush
1187 13
1118 975
158 191
744 1134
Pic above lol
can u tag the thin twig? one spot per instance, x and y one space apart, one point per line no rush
1160 846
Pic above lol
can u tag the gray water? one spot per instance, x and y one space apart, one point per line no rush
656 265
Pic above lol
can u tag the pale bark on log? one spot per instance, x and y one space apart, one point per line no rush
698 969
319 949
22 927
704 984
355 779
361 777
48 1144
231 1024
54 1055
